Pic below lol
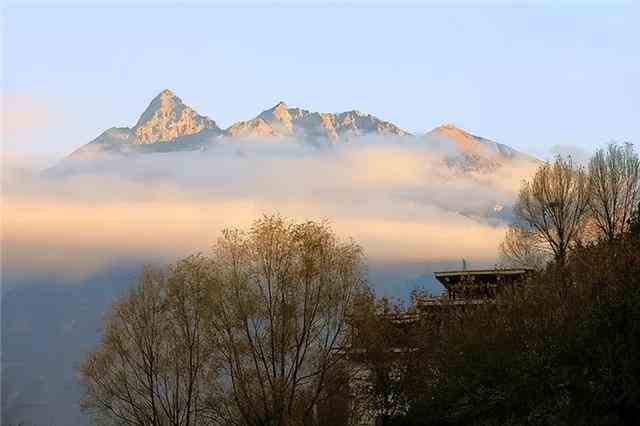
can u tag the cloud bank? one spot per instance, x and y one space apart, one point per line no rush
395 198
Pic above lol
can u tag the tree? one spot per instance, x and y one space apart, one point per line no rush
151 367
553 207
634 224
523 248
550 353
254 334
614 175
379 352
279 296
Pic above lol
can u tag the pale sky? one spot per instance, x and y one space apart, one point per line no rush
530 76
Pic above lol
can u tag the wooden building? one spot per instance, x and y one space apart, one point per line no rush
480 284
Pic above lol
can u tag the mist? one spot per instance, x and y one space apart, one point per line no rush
394 197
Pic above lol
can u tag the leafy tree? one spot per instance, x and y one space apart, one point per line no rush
279 296
152 367
254 334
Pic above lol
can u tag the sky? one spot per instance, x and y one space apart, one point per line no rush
533 76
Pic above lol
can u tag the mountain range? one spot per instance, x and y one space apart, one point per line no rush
168 124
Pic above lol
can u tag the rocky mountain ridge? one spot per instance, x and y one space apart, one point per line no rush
168 124
282 121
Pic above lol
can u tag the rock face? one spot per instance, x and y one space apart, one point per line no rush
166 125
167 119
282 121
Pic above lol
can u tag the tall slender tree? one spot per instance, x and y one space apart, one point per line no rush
151 367
280 295
554 205
614 174
523 248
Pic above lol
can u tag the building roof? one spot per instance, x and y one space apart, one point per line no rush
517 271
448 278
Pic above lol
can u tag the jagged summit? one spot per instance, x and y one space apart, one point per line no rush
280 117
278 108
284 121
167 118
281 106
164 100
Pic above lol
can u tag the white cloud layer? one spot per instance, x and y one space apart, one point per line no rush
396 198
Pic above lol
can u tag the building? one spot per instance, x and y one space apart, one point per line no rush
481 284
465 290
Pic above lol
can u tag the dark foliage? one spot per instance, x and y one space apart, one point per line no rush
563 351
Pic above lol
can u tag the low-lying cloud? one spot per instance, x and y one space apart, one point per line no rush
395 198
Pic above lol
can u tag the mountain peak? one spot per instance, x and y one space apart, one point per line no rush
279 110
450 127
461 137
167 118
457 134
166 93
476 153
279 117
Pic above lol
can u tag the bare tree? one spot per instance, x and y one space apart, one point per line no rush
554 205
614 175
523 248
151 367
279 297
